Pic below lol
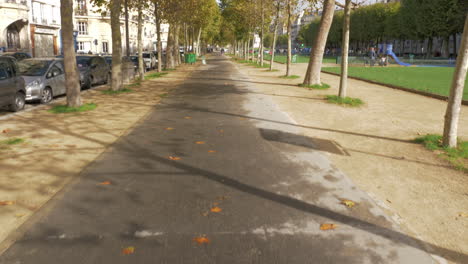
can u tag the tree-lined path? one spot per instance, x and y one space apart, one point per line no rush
216 174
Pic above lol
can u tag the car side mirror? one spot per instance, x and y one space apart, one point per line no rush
49 75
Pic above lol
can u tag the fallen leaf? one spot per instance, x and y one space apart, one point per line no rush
211 151
216 209
388 200
462 214
205 213
221 131
169 128
200 142
174 158
2 203
328 226
201 240
105 183
188 117
128 250
6 130
348 203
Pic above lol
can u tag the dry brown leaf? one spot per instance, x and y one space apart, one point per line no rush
328 226
205 213
3 203
188 117
174 158
216 209
201 240
211 151
348 203
169 128
128 250
6 130
200 142
462 214
105 183
221 131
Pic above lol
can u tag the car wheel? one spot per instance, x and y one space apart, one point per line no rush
18 102
88 83
46 96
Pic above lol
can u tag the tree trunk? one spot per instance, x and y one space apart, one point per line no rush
176 45
262 32
127 32
72 80
454 45
248 48
185 39
429 48
116 45
198 41
318 47
452 114
275 35
192 39
158 34
344 50
288 60
170 48
141 70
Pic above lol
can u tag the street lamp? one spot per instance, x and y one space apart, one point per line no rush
75 42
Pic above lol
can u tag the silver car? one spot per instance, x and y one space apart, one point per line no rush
44 78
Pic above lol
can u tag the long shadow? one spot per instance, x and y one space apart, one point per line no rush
309 208
206 110
237 80
302 141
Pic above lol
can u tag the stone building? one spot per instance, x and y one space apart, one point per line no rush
14 25
45 28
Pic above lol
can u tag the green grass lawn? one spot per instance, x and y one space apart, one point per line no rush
435 80
300 59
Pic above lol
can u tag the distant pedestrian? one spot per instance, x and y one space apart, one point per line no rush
372 56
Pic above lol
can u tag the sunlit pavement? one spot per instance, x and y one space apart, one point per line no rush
216 174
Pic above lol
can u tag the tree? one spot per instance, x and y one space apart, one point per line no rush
275 33
141 66
316 56
345 50
116 45
72 81
452 114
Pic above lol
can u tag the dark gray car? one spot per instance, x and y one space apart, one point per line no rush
44 78
12 92
93 70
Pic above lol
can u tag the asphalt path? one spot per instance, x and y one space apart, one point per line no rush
215 174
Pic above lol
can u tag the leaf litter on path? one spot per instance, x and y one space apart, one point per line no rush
174 158
128 250
105 183
4 203
348 203
211 151
200 142
169 128
216 209
202 240
328 226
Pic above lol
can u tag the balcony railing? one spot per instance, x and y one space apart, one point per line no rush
19 2
81 12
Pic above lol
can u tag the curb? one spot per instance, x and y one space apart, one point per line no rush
435 96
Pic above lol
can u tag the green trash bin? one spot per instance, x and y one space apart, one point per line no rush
190 58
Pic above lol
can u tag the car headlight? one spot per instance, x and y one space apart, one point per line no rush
34 85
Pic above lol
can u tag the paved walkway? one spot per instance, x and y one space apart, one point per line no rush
214 143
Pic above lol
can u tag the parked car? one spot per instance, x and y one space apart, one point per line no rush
93 70
12 91
150 61
44 78
19 56
126 64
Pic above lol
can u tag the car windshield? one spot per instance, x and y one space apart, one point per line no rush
83 62
33 67
108 60
134 58
146 55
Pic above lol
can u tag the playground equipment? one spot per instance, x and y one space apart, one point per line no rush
387 49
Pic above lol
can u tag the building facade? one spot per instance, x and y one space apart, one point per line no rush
45 28
14 25
94 33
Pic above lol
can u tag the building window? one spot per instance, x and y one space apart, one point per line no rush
80 45
82 28
84 46
105 47
81 8
13 40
